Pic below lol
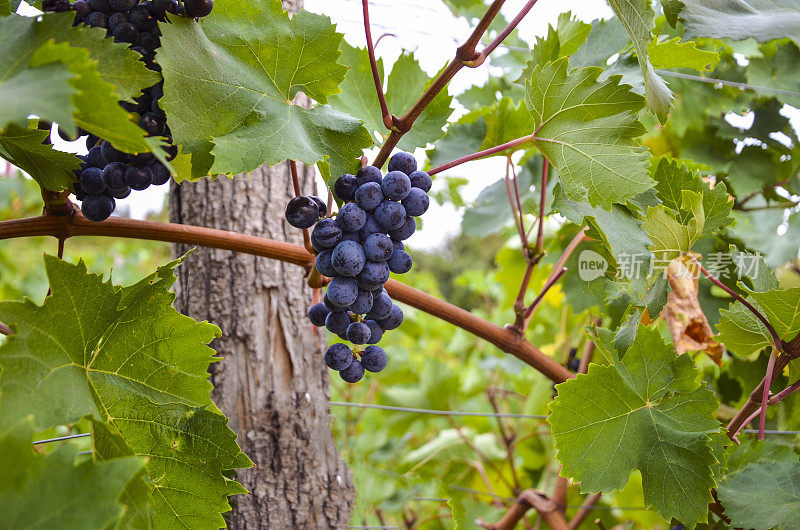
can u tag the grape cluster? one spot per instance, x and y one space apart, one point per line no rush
358 249
105 173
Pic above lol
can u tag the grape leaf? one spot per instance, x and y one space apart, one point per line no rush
740 19
777 69
607 38
782 310
639 20
563 40
672 235
763 495
51 169
744 333
127 358
741 331
586 129
462 138
53 490
649 412
675 54
505 121
229 83
672 10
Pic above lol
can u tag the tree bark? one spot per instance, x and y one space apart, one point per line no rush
272 383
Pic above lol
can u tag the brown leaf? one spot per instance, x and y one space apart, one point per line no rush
687 324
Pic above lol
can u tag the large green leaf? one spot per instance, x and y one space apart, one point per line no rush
125 357
647 412
51 169
740 19
607 38
563 40
586 129
639 20
673 234
778 69
56 490
229 83
744 333
675 54
763 495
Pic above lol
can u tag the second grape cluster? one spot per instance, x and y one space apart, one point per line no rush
358 249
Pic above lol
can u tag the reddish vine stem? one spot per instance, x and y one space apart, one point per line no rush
542 194
506 32
525 501
516 207
5 330
551 281
762 421
387 118
584 510
298 193
480 154
774 400
507 339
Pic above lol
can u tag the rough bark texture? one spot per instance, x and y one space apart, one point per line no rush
272 383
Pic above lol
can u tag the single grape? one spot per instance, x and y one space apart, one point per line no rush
378 247
159 7
142 159
373 275
92 182
302 212
329 304
138 178
369 195
150 43
363 303
342 291
122 5
573 364
405 231
160 173
353 373
96 19
402 162
114 176
125 32
198 8
116 19
141 17
317 314
324 264
97 207
394 319
421 180
95 158
314 243
398 245
91 140
338 356
100 5
396 185
337 321
368 174
374 358
400 262
390 215
358 333
321 206
416 203
381 307
370 227
81 8
351 217
375 331
348 258
152 123
121 193
112 154
345 187
328 233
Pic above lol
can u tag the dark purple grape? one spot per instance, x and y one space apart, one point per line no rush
114 176
321 206
405 231
342 291
378 247
368 174
337 321
363 303
353 373
348 258
345 187
328 232
390 215
398 245
324 265
160 173
95 158
141 17
329 304
381 307
92 182
417 202
138 178
421 180
152 123
400 262
97 207
121 193
142 159
58 6
302 212
148 41
122 5
351 217
373 275
374 358
394 319
358 333
125 32
317 314
404 162
81 8
160 7
375 331
351 236
91 140
396 185
198 8
100 5
112 154
573 364
369 195
370 227
338 356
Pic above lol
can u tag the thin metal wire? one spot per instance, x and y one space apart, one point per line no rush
571 506
60 438
87 452
437 412
735 84
768 431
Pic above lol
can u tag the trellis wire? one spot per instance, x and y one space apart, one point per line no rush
60 438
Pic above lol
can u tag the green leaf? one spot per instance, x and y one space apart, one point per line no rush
777 69
740 19
675 54
56 491
242 67
607 38
781 309
763 495
670 234
586 129
51 169
639 20
672 10
741 331
563 40
127 358
505 121
646 412
673 177
462 138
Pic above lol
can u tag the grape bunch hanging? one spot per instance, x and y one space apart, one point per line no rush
106 173
358 249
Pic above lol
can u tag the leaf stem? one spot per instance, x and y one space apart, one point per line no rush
584 510
516 208
387 118
769 376
506 32
481 154
526 500
542 194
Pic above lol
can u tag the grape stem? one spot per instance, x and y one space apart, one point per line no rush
584 510
373 64
512 190
526 500
542 194
481 154
777 398
5 330
507 339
